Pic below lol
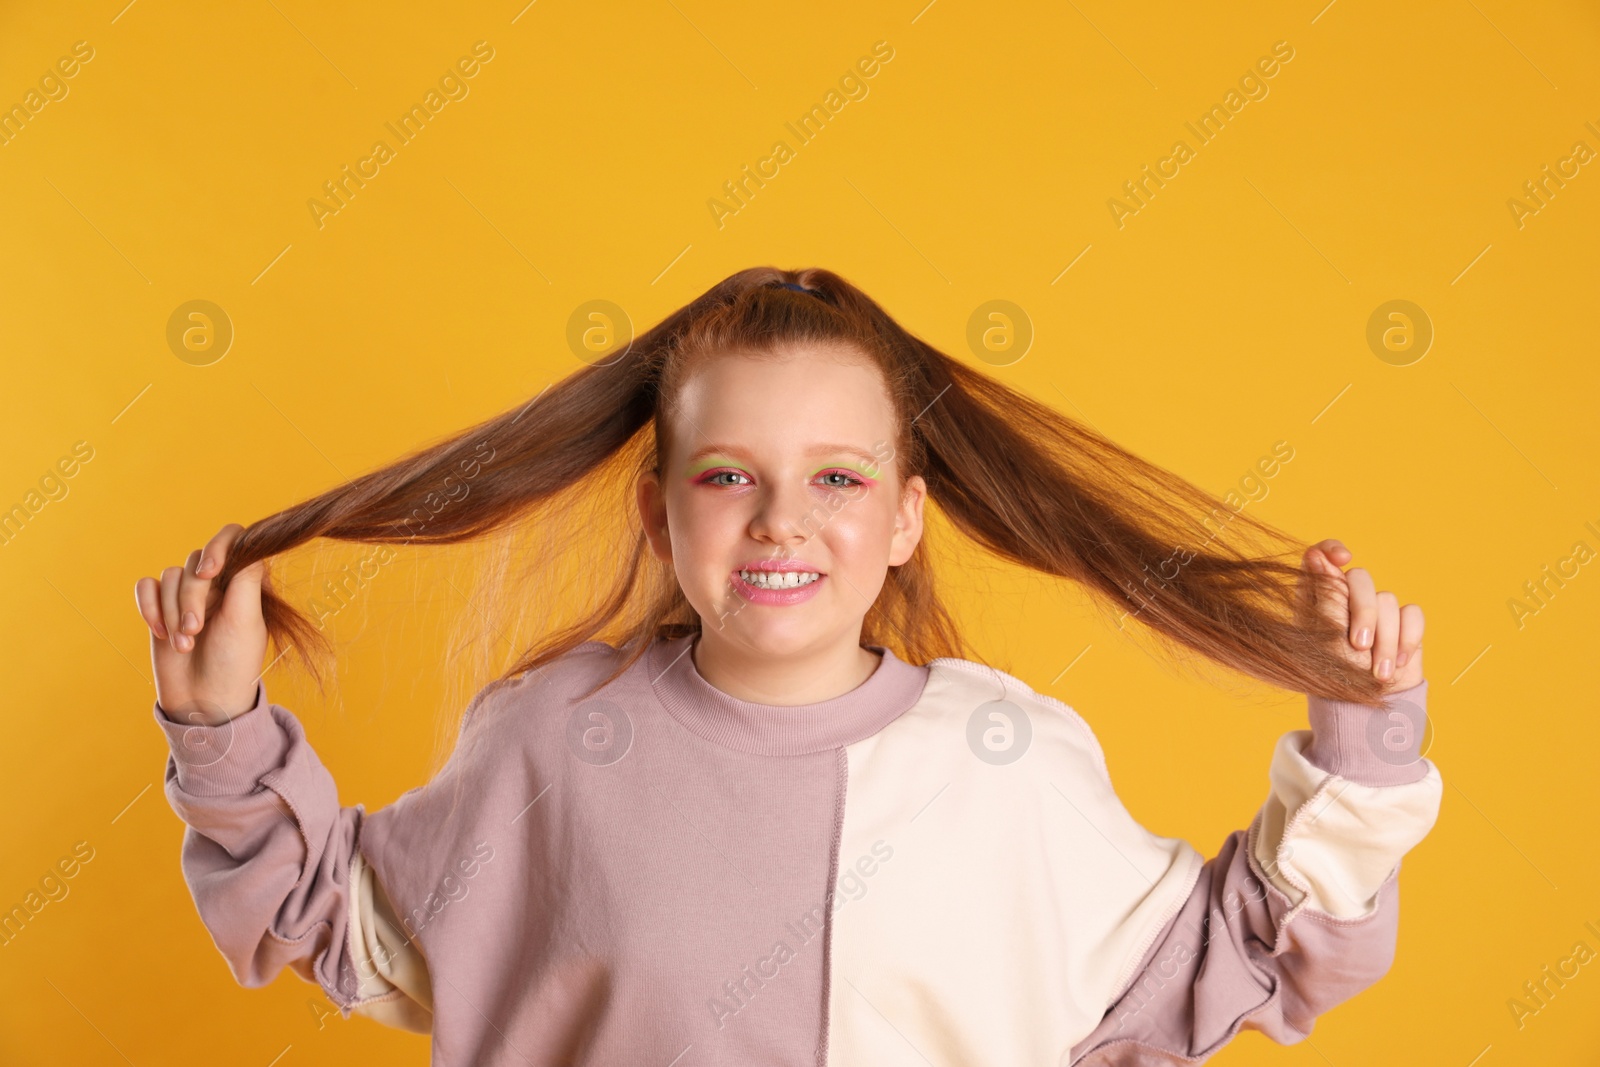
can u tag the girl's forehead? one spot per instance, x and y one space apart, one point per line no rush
781 406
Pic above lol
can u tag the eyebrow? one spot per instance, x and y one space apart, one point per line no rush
813 450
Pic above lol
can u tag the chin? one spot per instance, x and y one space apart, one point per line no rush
777 637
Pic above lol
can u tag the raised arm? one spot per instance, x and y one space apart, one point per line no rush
1299 911
270 856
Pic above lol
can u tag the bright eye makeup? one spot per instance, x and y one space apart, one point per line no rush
718 472
716 476
844 478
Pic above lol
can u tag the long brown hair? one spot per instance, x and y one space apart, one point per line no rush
1016 477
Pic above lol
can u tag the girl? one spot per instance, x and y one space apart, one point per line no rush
755 806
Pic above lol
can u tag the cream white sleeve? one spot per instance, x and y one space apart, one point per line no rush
394 987
1327 842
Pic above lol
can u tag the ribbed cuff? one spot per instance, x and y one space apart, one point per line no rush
1371 746
228 758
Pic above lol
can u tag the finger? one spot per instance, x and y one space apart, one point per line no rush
216 551
242 599
192 596
1363 606
147 595
1317 591
1387 638
1316 560
1410 634
1334 549
169 608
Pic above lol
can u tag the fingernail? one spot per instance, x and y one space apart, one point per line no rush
1400 660
205 565
183 641
190 622
1363 636
1385 668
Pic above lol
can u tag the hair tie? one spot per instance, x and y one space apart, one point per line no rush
798 288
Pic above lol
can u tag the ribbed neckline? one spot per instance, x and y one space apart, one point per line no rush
774 730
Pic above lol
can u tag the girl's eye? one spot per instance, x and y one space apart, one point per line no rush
830 479
716 478
845 479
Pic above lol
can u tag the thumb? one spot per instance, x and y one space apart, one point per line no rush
1312 589
241 601
1329 588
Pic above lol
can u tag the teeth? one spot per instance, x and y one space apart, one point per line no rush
779 579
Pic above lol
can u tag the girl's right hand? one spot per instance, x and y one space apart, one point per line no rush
207 657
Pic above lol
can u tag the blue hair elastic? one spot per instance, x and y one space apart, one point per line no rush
798 288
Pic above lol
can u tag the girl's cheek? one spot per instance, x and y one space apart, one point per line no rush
858 539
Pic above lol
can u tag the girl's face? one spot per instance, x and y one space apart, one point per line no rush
779 500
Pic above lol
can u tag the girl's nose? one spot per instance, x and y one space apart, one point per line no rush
785 515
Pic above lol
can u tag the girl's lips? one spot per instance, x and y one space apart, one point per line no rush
776 597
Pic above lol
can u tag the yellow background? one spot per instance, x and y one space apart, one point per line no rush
1227 315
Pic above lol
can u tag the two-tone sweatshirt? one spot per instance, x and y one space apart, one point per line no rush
932 868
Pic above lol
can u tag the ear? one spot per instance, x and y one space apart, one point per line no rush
652 503
908 520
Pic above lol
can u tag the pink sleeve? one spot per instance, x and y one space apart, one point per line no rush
267 848
1241 954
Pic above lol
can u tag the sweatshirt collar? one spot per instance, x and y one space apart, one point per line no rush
776 730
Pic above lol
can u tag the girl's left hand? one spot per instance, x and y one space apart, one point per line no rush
1382 636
